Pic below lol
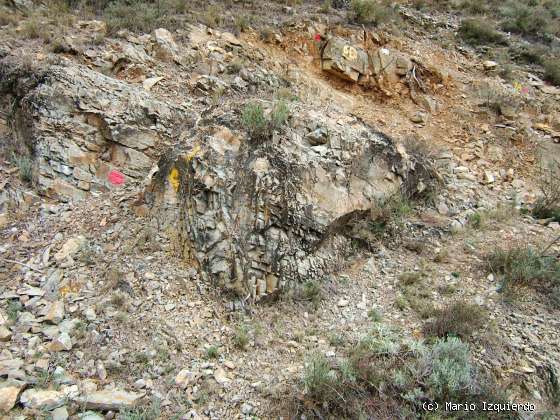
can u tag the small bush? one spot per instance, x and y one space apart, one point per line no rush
212 352
385 376
389 212
241 337
480 32
527 20
279 115
524 266
242 22
373 12
318 378
150 412
258 125
459 319
136 16
254 120
552 71
213 16
25 166
450 369
547 205
14 307
374 315
33 29
311 292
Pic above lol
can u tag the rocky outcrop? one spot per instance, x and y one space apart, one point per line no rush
85 131
257 217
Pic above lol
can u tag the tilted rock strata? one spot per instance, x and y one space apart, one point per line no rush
80 125
257 218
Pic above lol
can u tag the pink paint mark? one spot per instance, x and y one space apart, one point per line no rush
317 37
115 178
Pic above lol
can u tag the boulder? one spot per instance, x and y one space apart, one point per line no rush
83 126
106 400
9 393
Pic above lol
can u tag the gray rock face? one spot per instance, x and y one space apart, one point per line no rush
257 218
81 126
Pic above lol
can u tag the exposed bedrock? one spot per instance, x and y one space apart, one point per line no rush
261 217
80 126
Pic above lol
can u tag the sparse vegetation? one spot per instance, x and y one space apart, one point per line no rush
24 165
459 319
241 337
253 119
212 352
547 205
483 218
416 293
311 292
524 266
552 71
387 375
480 32
13 309
150 412
375 12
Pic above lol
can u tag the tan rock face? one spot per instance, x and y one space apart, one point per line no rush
260 217
109 400
82 125
9 393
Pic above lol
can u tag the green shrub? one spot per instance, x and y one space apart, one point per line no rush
213 16
14 307
374 315
279 115
242 22
319 380
450 369
547 205
260 127
150 412
526 20
389 375
552 71
212 352
524 266
480 32
254 120
376 12
134 15
24 165
241 337
460 319
389 212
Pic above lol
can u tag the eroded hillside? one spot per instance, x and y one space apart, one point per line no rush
304 210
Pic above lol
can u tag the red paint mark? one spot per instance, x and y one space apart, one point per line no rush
115 178
317 37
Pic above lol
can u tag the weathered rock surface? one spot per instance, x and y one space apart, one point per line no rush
257 218
109 400
9 393
85 131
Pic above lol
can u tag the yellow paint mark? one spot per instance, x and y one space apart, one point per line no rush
192 153
174 179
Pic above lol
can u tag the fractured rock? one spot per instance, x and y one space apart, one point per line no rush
260 217
109 400
62 343
70 248
82 125
43 399
9 393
